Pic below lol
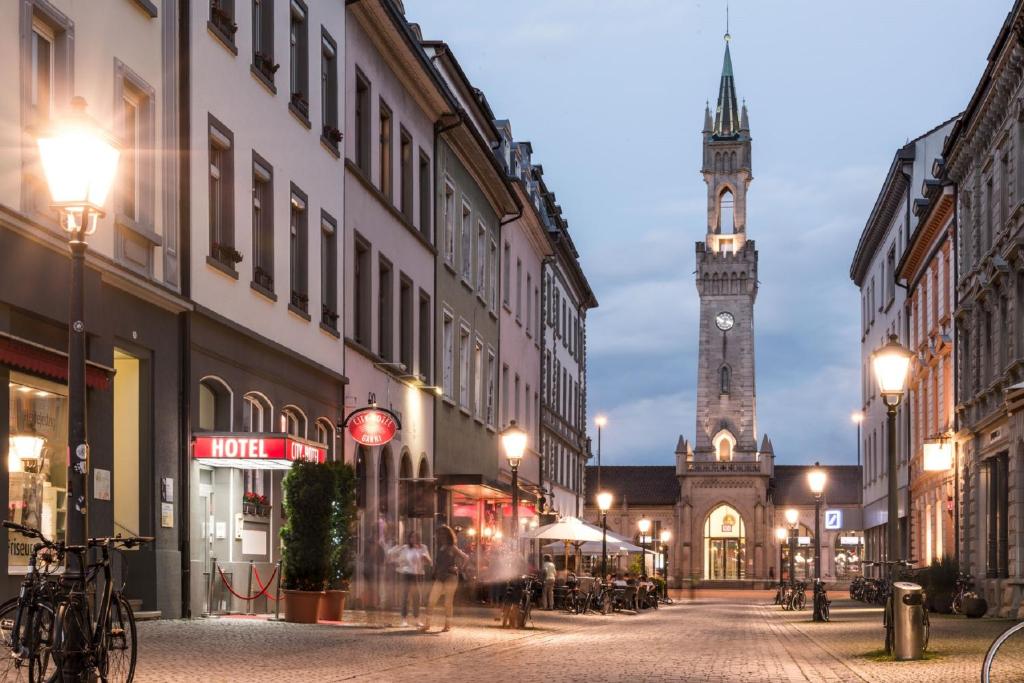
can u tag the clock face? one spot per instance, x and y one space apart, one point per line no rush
725 321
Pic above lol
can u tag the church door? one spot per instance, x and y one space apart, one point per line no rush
724 545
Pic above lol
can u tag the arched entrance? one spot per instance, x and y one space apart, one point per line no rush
724 545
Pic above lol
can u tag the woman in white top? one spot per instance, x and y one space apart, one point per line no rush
411 562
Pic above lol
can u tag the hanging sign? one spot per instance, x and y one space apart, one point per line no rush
372 426
833 520
265 450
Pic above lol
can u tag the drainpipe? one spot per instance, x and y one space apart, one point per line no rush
956 374
185 318
907 170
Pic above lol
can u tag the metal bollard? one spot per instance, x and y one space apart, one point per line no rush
248 590
209 587
277 602
908 621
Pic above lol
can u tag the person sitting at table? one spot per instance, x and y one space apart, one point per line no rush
619 582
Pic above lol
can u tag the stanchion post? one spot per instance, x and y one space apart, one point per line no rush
277 602
248 590
209 588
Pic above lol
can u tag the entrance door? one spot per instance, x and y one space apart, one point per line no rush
726 561
204 524
724 545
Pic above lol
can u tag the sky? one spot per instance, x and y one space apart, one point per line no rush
611 93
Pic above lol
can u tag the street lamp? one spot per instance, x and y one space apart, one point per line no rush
816 479
604 504
857 417
780 536
891 363
644 525
600 421
79 161
666 536
792 518
513 440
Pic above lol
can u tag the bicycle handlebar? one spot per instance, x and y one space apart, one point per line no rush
30 532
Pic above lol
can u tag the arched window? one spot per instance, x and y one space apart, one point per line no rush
214 405
724 444
725 379
293 422
726 225
256 413
325 435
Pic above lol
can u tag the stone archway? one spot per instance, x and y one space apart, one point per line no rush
724 542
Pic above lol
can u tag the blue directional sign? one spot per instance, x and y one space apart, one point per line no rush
833 520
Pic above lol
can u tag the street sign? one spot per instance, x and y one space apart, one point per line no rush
372 426
833 520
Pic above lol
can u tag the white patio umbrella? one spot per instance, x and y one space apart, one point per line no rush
567 530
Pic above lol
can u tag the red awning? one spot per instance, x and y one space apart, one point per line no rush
42 361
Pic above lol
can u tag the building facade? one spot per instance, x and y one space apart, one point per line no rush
880 249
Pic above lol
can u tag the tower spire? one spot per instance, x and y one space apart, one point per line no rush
727 118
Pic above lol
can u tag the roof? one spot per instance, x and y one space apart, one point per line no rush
842 487
727 115
637 484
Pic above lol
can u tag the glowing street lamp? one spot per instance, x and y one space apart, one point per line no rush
816 479
604 504
644 525
513 440
891 363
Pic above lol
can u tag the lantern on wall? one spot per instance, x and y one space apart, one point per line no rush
938 455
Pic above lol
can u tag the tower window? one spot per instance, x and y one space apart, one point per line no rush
726 223
725 379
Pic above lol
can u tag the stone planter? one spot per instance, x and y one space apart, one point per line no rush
975 607
301 607
332 605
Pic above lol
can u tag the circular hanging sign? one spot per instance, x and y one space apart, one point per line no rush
372 426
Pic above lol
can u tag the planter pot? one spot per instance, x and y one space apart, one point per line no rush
301 607
975 607
332 605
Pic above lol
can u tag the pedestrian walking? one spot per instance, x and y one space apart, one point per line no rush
411 562
550 573
448 565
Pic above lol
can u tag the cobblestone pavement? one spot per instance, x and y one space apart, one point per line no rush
714 636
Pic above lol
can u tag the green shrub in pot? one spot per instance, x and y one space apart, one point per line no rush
309 490
342 551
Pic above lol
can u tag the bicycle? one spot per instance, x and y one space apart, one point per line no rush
96 638
518 601
26 621
797 598
964 588
821 601
1013 665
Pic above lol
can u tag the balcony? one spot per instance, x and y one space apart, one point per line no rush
726 467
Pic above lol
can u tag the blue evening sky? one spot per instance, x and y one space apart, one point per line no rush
611 93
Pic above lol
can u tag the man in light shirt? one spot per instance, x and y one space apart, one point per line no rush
550 572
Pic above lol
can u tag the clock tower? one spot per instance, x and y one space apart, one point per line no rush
727 285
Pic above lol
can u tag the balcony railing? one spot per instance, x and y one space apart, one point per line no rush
739 466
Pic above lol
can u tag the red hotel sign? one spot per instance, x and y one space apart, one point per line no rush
248 447
372 426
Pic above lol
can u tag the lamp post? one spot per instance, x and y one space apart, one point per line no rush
666 536
891 363
79 161
816 481
780 536
857 417
513 440
604 503
644 525
600 421
792 518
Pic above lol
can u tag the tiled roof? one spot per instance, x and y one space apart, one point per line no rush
842 487
638 484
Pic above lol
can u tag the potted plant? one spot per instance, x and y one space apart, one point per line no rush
342 552
309 490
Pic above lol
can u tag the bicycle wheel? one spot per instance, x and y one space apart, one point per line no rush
887 623
12 668
801 600
927 631
71 630
41 667
824 608
1004 660
121 643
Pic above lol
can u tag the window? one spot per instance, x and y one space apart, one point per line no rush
464 367
136 190
467 243
726 206
506 270
1004 189
478 378
222 20
519 290
263 41
491 378
405 323
515 399
405 172
448 351
527 408
222 195
989 215
504 395
361 272
424 346
385 307
298 250
890 275
536 307
256 413
384 151
325 435
529 303
331 133
481 258
41 82
425 202
725 379
362 123
449 223
214 405
298 56
492 270
293 422
262 224
328 271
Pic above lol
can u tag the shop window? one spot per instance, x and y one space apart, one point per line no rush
127 443
36 465
214 405
293 422
849 553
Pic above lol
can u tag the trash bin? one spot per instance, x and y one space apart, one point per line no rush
908 620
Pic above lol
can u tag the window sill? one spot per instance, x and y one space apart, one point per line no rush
479 420
148 7
263 80
146 232
330 147
297 113
465 411
222 267
263 291
507 306
292 308
386 202
450 267
224 39
493 313
449 400
467 285
519 321
331 331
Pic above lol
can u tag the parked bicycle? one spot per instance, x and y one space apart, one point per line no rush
517 602
964 588
821 601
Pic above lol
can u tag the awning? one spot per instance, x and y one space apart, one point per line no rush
251 451
40 360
